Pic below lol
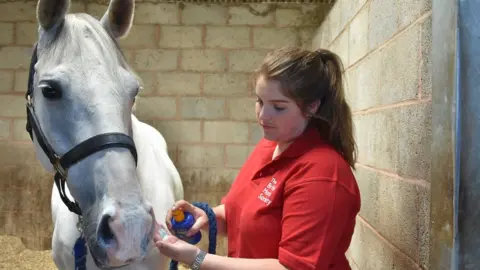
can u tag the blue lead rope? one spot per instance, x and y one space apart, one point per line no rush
212 231
80 253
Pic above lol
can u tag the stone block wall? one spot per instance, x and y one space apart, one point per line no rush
196 62
385 46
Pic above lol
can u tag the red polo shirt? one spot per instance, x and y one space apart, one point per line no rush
299 208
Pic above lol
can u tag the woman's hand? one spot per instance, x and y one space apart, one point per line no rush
201 218
174 248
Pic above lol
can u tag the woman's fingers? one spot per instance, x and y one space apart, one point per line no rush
199 223
185 206
200 216
177 249
167 247
181 204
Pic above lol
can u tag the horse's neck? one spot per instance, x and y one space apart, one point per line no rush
159 179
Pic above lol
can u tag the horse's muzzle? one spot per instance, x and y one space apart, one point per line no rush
123 236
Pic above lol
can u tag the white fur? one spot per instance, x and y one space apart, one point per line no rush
99 86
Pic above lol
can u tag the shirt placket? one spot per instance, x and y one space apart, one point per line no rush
267 170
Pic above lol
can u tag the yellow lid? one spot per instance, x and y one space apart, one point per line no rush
178 215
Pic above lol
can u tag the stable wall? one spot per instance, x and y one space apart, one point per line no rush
385 46
196 62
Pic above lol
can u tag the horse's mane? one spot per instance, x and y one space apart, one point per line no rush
67 42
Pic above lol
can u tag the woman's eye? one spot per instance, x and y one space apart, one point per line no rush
278 108
51 91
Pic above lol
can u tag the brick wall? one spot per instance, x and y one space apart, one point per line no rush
196 63
385 46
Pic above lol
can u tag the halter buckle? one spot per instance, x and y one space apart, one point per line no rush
58 167
80 224
29 100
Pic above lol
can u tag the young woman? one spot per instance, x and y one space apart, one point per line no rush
294 202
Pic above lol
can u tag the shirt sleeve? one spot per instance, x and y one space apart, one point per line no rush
315 215
224 198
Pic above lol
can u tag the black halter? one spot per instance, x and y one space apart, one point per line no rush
61 164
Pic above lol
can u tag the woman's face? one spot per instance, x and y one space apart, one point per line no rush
280 117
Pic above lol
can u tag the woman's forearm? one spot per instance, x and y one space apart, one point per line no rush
216 262
221 220
220 217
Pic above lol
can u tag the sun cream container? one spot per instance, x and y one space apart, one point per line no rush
181 222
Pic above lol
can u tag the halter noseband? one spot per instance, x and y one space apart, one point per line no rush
61 164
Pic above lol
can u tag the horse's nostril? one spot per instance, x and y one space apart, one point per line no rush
105 234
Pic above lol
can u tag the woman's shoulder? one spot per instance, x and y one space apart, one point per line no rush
323 163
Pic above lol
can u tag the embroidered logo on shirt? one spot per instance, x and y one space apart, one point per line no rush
267 192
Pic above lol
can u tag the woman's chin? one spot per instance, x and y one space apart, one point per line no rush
270 136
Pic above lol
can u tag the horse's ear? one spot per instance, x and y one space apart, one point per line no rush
51 12
118 18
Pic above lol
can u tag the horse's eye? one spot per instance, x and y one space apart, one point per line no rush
51 91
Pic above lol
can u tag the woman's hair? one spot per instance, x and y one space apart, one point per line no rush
309 76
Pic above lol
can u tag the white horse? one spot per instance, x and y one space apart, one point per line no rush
82 87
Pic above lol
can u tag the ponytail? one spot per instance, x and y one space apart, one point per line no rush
334 116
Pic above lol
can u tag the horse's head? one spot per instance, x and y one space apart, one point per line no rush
82 88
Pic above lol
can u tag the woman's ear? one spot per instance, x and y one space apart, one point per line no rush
312 108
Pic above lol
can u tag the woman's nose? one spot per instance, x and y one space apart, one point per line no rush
263 114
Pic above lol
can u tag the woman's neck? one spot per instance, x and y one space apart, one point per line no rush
280 148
